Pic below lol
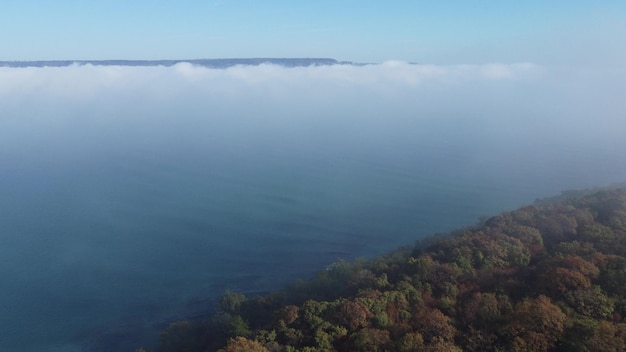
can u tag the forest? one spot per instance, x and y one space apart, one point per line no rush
547 277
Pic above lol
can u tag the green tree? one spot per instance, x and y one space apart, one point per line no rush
591 302
231 302
370 340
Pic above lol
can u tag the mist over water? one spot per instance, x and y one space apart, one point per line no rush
131 194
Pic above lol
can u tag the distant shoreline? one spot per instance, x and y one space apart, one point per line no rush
210 63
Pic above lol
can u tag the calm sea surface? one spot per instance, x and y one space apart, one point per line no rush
124 241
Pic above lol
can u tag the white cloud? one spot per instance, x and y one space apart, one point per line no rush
269 92
504 98
83 82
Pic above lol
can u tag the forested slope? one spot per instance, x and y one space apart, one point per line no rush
548 277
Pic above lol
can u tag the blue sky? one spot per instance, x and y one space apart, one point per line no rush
365 31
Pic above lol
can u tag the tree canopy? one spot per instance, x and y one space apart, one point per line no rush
546 277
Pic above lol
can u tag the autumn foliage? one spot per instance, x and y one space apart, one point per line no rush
546 277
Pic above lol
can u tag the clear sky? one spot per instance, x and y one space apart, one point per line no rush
446 31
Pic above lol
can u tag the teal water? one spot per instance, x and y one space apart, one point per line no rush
130 239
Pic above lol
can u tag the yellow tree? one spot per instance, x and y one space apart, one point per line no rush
242 344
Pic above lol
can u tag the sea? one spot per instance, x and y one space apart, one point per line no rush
120 214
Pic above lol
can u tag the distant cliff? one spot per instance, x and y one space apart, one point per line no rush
211 63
